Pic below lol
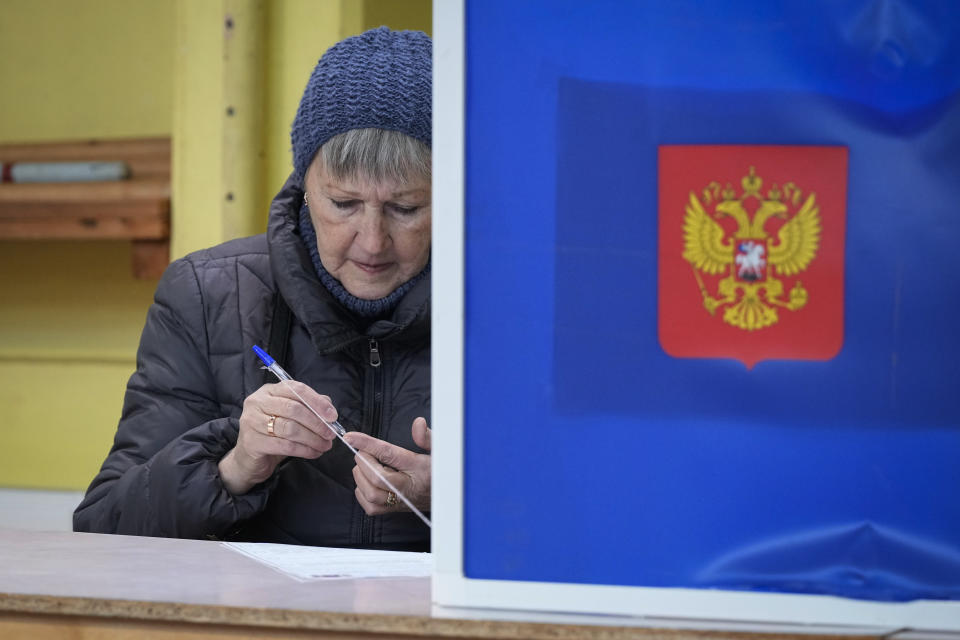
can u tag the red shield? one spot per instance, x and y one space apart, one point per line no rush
751 251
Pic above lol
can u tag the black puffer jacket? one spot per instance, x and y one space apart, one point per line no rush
194 369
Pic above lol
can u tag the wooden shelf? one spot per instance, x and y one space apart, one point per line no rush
136 209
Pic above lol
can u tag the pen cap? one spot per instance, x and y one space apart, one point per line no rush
263 355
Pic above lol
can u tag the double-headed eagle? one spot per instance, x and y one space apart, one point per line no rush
749 291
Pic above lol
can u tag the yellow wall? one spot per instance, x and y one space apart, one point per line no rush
70 312
397 14
89 68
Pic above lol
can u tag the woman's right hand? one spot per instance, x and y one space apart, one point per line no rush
295 432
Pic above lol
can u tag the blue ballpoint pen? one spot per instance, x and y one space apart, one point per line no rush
336 427
271 364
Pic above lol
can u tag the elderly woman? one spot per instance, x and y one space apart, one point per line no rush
338 291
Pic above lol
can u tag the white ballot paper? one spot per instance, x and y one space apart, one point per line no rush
325 563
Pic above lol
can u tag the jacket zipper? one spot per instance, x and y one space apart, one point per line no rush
376 383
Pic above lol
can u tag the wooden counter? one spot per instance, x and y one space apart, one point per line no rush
77 585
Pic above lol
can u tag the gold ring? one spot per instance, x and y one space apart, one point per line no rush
270 423
391 498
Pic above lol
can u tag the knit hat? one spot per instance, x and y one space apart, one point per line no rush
378 79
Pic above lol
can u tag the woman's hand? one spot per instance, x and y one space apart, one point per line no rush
408 471
275 424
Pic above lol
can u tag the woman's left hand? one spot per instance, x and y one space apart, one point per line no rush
407 471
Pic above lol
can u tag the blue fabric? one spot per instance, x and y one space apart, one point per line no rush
379 79
617 464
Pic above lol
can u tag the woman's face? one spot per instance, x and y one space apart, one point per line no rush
371 236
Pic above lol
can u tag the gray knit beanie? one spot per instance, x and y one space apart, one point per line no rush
378 79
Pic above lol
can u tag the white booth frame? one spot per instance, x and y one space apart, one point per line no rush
450 587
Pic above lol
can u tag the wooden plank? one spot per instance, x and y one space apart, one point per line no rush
87 150
40 627
150 188
85 229
142 167
44 211
148 258
145 156
108 221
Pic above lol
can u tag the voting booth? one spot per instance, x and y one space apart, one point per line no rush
695 304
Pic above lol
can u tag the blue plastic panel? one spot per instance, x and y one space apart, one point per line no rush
594 457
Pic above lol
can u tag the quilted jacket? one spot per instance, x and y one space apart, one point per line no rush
195 367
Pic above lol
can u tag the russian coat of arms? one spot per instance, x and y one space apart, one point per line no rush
773 238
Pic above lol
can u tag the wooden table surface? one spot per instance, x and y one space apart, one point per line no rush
100 586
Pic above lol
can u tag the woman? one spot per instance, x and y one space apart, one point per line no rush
338 291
